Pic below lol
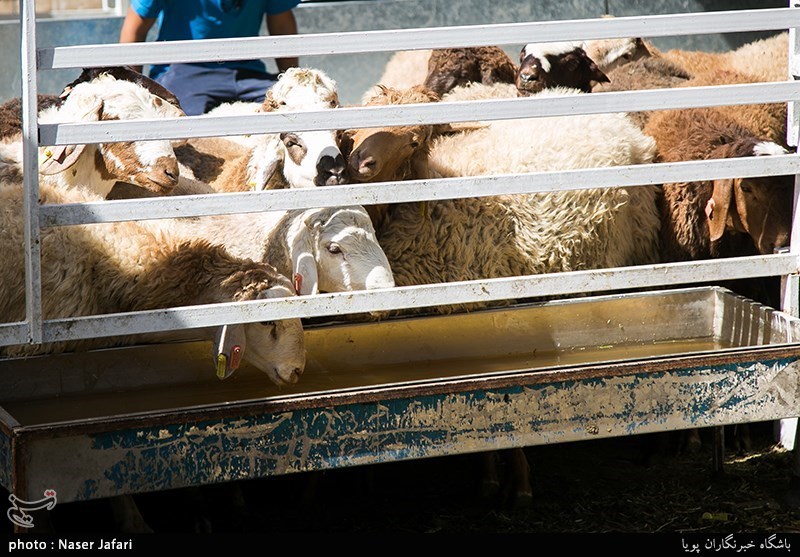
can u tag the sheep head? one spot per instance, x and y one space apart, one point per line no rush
453 67
301 89
329 250
149 164
392 153
546 65
612 53
760 206
310 158
275 347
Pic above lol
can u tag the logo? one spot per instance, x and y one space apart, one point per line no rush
17 513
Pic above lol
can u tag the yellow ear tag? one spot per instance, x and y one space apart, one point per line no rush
222 366
48 153
252 185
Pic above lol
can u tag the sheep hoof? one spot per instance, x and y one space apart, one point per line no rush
522 499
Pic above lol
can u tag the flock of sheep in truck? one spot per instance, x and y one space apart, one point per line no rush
128 266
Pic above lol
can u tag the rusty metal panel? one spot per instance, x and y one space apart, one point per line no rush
136 459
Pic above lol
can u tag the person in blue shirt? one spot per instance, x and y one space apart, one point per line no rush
202 86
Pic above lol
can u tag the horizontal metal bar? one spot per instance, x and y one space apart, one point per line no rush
545 285
218 50
430 113
417 190
13 333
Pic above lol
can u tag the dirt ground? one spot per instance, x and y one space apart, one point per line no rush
613 485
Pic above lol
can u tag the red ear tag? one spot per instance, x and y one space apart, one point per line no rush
236 357
298 283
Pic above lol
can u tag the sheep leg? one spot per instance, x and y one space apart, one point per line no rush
490 480
520 471
692 442
718 459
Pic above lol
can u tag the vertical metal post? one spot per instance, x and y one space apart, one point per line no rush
790 285
30 162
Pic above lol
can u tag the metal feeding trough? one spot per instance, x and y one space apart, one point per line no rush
146 418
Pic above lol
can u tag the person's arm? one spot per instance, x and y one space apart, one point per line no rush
283 24
134 30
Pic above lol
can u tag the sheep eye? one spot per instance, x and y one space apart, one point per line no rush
333 247
414 144
746 188
290 141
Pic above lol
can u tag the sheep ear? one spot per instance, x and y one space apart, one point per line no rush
269 158
345 139
596 74
718 213
269 104
304 265
59 158
420 170
229 345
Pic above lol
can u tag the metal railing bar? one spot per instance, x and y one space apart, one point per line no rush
416 190
411 114
545 285
218 50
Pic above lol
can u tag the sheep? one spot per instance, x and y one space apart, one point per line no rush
698 215
762 60
452 67
151 165
644 73
506 236
541 66
307 159
609 54
404 70
129 266
124 73
545 65
323 250
726 217
11 115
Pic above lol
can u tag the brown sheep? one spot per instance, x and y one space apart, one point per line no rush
698 216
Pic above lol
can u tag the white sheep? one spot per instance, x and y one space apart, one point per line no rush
97 167
306 159
323 250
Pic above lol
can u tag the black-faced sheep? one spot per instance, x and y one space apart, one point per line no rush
546 65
